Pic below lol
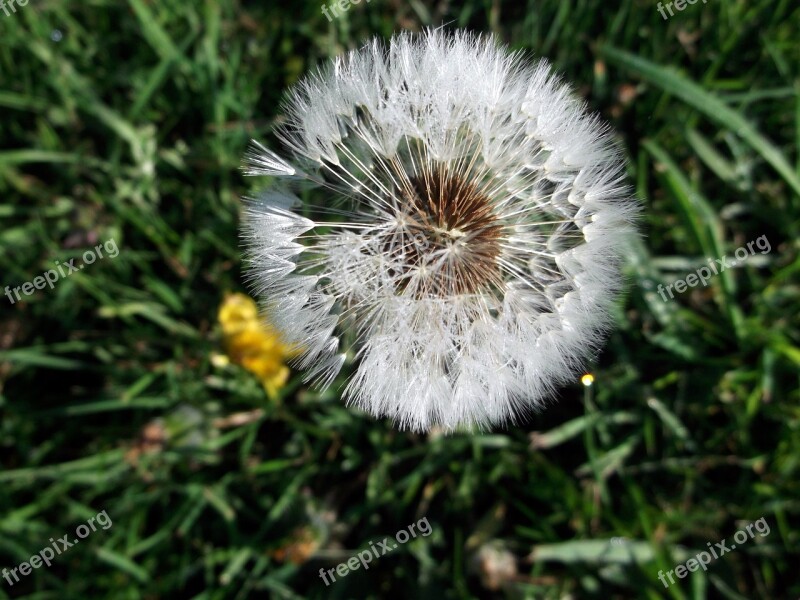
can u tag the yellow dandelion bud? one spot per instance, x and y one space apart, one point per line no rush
252 343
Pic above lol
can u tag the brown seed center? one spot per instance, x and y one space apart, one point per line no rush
451 237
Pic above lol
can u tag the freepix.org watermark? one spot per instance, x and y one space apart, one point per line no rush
680 5
703 274
702 559
339 5
59 546
5 5
384 547
50 277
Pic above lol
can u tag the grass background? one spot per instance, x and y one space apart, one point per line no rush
128 120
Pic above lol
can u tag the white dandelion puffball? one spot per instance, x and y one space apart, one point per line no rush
468 247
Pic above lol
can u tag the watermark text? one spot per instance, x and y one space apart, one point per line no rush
702 559
59 546
384 547
50 277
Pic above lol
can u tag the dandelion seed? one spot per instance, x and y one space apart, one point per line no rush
470 241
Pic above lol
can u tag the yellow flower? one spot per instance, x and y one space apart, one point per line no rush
252 343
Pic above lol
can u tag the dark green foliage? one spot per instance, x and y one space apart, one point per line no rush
128 121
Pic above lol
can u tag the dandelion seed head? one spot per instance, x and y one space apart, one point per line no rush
468 244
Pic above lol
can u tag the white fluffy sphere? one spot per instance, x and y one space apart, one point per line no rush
471 237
